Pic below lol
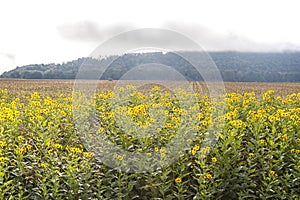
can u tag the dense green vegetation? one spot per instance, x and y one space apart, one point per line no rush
248 149
234 66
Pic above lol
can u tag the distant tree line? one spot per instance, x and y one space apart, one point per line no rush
233 66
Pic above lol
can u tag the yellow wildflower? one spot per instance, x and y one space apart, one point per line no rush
178 180
76 150
57 146
204 123
3 159
163 150
88 154
292 150
63 113
2 143
272 172
101 130
194 151
285 137
271 118
205 150
200 116
155 88
189 140
43 165
168 125
28 146
21 138
22 150
119 157
207 176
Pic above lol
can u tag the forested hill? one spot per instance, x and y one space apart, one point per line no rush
234 66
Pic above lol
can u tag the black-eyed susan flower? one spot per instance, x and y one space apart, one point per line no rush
22 150
178 180
213 159
204 123
3 159
168 125
21 138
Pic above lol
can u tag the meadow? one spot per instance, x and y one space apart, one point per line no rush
245 144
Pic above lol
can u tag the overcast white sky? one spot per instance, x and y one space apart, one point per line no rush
55 31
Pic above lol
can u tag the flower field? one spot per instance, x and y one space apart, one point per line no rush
241 145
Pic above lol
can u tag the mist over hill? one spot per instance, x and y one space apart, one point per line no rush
233 66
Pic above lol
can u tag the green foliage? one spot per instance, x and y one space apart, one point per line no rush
256 155
233 66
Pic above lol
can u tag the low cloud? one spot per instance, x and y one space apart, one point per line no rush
210 40
92 32
214 41
8 56
7 61
89 31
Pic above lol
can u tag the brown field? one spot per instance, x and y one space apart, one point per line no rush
51 87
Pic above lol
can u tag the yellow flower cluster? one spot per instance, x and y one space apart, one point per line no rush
76 150
273 173
42 129
163 152
118 157
88 154
205 150
195 149
207 176
2 159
